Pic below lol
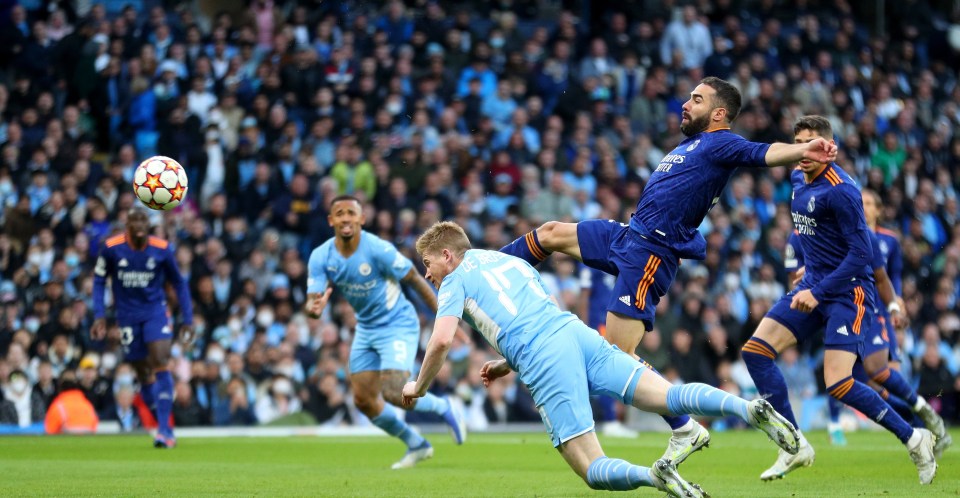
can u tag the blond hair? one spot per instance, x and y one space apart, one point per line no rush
443 235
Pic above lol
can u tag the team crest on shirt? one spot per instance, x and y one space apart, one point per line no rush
151 264
365 269
811 204
693 145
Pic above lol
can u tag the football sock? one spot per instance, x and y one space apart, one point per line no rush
163 393
901 407
759 357
432 403
391 424
865 399
896 384
614 474
606 408
146 392
701 399
527 248
834 406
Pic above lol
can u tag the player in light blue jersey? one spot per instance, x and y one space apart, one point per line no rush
368 272
562 361
645 254
139 267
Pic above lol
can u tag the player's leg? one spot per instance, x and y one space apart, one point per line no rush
159 359
536 245
585 456
834 429
145 378
396 352
759 354
365 380
847 316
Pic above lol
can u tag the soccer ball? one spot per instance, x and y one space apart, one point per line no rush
160 183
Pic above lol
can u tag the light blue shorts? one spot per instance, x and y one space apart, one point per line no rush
563 368
393 348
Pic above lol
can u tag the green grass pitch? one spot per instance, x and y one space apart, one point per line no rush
501 465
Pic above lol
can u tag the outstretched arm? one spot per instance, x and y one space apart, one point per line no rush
819 150
444 328
422 287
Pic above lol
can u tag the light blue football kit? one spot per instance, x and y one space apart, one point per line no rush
388 328
556 355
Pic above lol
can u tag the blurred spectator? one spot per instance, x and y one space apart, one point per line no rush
70 412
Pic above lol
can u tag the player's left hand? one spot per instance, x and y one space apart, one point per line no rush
409 395
821 150
804 301
187 336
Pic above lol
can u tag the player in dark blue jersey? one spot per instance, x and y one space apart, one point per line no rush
645 254
139 267
881 357
836 292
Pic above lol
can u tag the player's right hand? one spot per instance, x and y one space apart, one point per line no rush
99 329
318 303
821 150
493 370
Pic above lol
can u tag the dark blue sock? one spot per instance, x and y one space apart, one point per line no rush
614 474
674 421
902 408
896 384
834 406
163 393
146 392
759 357
527 248
869 402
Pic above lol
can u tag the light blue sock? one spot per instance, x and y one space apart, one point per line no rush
432 404
614 474
701 399
391 424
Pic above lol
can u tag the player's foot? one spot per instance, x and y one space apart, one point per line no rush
680 448
780 430
935 424
617 429
837 437
458 426
787 462
667 479
164 442
413 456
921 452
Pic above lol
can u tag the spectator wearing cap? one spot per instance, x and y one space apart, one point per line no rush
71 412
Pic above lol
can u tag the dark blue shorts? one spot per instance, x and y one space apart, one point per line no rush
136 334
644 270
846 319
882 337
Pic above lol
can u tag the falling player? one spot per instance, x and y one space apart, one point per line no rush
368 272
645 254
562 361
835 293
139 267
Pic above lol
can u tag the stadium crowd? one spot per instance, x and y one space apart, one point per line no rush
498 115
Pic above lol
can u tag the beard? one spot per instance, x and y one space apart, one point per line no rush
695 126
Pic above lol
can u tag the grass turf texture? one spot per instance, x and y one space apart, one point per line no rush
516 465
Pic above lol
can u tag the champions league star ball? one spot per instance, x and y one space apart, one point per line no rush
160 183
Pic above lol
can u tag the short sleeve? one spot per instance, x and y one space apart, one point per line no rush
390 261
316 273
451 296
733 151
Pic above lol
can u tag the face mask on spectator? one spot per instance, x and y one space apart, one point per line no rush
216 355
32 324
394 107
108 362
497 42
72 260
282 386
234 325
35 259
125 379
265 319
6 187
18 385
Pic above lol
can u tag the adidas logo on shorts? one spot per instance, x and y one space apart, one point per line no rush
625 300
